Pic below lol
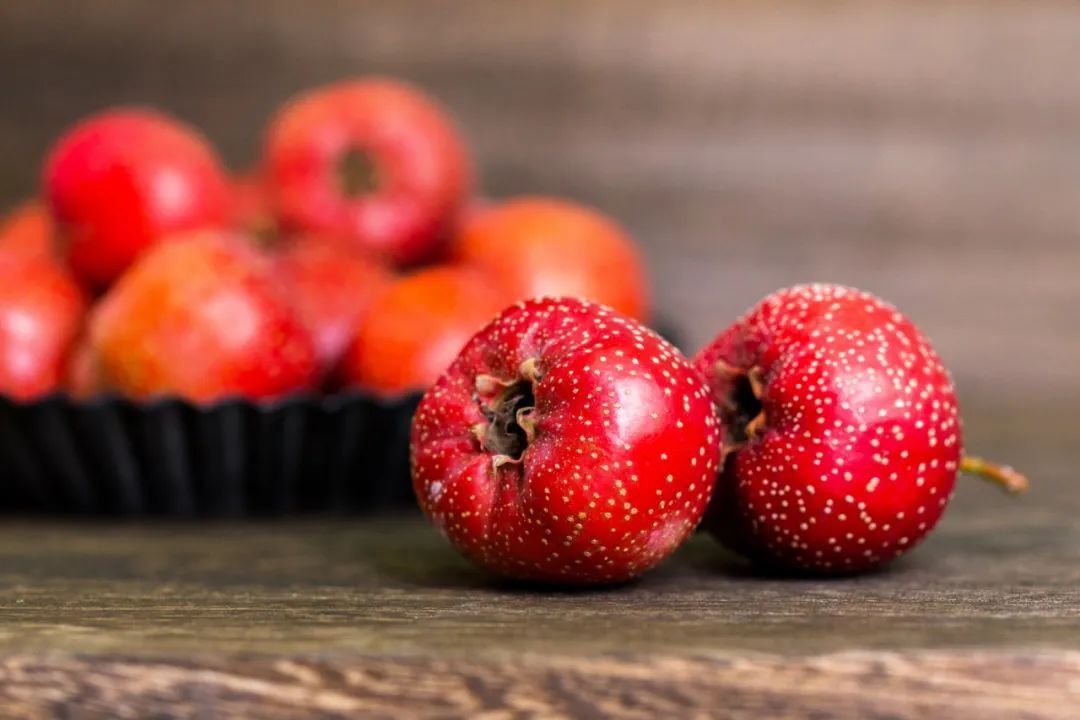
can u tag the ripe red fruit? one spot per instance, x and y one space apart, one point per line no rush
542 246
203 318
41 311
27 230
332 288
841 431
413 329
122 180
566 443
371 160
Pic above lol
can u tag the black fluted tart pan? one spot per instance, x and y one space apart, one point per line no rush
345 453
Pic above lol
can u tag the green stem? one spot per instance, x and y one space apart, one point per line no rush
1003 476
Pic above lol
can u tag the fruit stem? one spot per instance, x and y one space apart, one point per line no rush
1003 476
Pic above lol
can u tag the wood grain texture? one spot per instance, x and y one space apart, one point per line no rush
853 686
380 618
991 577
926 151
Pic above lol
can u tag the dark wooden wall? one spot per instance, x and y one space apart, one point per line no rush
929 151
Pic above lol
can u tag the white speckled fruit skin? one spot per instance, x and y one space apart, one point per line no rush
859 454
622 465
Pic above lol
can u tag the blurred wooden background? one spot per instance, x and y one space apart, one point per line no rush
926 151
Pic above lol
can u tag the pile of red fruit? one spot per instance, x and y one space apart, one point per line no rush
355 255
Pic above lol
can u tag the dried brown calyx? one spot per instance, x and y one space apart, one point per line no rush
511 424
741 412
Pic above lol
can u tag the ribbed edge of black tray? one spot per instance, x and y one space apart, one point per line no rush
345 453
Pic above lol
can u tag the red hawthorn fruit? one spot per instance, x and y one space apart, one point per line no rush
372 160
332 288
414 328
841 431
41 311
201 317
539 246
567 443
122 180
28 230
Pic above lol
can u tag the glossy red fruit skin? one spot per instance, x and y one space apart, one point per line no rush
536 246
28 230
415 328
421 169
202 318
41 312
121 181
623 459
332 287
859 452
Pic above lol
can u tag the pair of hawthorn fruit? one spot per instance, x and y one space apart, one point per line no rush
570 444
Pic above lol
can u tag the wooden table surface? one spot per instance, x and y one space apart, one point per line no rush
346 618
